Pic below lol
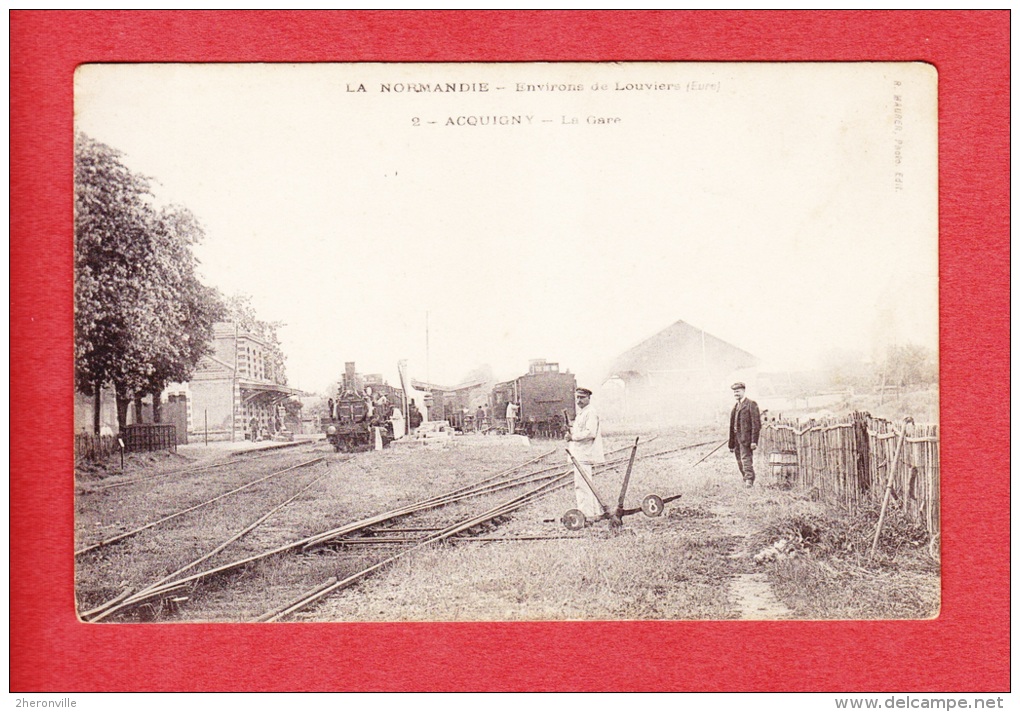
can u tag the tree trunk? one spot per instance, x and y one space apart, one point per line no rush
138 407
97 407
157 406
123 401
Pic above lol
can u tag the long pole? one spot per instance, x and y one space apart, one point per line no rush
710 454
234 388
428 373
626 479
888 486
591 485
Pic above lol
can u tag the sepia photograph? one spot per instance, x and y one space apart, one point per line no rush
604 341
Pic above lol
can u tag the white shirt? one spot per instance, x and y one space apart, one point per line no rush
511 410
586 437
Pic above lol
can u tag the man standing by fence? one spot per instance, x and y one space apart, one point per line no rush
745 424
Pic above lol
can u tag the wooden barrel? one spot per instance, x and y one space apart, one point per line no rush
784 467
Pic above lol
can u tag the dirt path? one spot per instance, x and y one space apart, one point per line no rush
749 588
753 597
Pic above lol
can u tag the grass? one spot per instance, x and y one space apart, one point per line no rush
835 577
679 566
820 594
673 567
637 575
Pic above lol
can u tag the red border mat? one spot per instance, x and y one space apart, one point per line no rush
965 649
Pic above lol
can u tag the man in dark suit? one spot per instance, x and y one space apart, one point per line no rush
745 424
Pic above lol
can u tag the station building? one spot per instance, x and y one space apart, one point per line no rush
234 384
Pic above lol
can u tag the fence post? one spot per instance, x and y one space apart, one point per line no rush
862 455
888 485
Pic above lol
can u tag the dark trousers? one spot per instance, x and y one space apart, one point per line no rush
745 461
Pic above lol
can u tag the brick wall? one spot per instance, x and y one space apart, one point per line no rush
213 398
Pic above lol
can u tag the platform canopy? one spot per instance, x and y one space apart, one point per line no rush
266 392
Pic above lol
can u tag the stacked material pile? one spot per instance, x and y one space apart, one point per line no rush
435 433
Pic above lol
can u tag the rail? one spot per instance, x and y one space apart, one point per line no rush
543 481
125 535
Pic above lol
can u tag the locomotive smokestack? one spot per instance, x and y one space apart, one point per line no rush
349 376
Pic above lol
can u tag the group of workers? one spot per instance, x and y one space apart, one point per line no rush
482 421
257 430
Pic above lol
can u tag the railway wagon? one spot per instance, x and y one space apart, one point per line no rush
543 394
358 410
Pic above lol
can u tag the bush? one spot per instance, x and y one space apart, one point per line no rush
842 535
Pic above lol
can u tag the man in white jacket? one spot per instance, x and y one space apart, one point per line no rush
584 442
511 417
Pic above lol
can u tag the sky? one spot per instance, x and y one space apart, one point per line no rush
790 209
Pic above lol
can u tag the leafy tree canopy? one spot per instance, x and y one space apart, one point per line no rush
142 317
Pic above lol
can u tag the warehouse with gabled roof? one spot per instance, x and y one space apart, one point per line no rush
680 374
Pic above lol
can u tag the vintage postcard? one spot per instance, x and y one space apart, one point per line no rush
506 342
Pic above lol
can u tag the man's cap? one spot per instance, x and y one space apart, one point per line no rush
738 386
582 392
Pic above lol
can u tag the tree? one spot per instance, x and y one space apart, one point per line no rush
911 365
112 207
293 408
142 318
186 307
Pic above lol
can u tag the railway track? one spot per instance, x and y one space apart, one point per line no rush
559 478
171 585
169 517
498 496
335 584
248 456
134 598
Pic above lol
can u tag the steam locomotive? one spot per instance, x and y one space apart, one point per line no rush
543 394
359 411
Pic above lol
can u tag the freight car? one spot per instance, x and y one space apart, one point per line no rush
543 394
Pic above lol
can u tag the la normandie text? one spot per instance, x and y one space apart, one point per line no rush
425 88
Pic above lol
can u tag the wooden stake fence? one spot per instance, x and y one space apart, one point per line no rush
845 460
94 448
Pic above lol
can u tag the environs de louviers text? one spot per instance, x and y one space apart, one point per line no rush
525 87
